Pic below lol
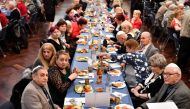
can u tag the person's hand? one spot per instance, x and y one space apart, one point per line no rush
67 45
132 90
73 75
139 108
122 64
136 93
117 46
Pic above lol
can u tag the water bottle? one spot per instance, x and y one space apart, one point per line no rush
108 84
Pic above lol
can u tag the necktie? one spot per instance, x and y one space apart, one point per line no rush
48 97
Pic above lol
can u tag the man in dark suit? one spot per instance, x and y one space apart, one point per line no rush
36 94
173 89
147 46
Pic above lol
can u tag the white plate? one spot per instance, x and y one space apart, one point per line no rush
115 72
119 82
112 49
122 106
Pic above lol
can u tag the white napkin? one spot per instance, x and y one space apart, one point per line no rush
118 94
76 101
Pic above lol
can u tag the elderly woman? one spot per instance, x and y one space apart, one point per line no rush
127 27
146 90
45 56
60 77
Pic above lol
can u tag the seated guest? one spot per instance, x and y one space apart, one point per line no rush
60 77
147 46
119 18
121 38
54 38
173 89
45 56
70 15
77 28
126 26
3 19
78 11
119 10
144 91
22 8
15 14
136 20
36 94
65 38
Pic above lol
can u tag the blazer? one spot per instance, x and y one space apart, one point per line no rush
151 50
180 95
33 97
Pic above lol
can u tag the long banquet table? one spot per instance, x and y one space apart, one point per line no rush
80 98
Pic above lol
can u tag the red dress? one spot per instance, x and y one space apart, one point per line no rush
22 8
75 31
3 19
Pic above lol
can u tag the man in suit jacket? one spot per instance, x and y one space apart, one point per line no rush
36 94
173 89
146 45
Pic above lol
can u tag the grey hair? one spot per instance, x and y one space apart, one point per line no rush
36 69
175 68
158 60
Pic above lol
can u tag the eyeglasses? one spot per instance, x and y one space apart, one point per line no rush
169 74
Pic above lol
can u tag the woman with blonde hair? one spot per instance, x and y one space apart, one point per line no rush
45 56
60 77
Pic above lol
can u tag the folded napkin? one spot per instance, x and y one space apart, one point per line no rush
118 94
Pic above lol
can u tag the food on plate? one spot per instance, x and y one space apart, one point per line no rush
79 88
82 50
94 42
117 84
87 88
83 73
99 89
82 58
104 64
114 72
112 49
123 106
82 41
72 107
97 34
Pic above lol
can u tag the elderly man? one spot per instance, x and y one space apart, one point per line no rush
173 89
121 38
15 14
147 46
36 94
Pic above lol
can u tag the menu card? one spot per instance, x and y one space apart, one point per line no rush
162 105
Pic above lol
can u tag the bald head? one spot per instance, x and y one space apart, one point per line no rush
145 38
